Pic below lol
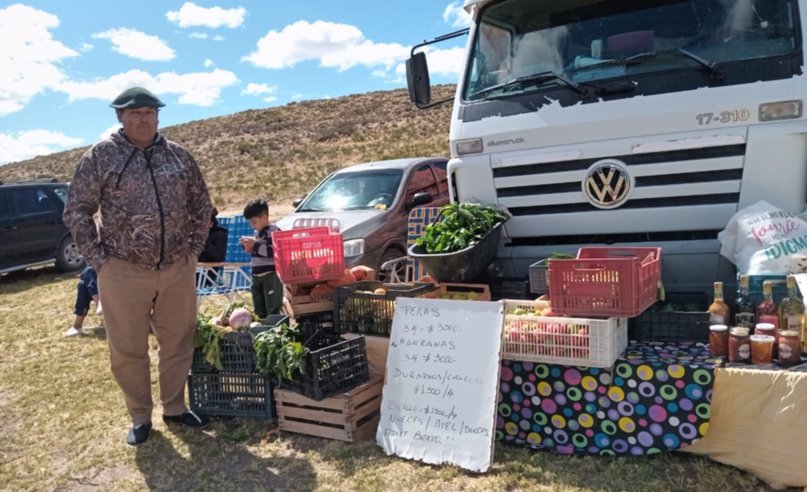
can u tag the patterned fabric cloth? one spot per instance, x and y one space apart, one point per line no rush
656 397
154 204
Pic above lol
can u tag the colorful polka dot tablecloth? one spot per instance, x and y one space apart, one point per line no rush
656 397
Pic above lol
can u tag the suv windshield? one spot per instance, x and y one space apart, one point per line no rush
523 46
355 191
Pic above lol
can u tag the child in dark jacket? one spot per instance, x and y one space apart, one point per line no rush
86 291
267 291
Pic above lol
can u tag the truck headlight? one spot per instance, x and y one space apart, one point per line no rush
780 110
354 247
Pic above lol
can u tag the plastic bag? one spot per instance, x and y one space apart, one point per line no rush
761 238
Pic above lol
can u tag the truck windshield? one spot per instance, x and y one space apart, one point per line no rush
354 191
585 43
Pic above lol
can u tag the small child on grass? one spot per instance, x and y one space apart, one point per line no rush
86 291
267 291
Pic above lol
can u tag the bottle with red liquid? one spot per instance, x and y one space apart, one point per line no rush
767 312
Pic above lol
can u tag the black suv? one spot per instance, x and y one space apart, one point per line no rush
32 232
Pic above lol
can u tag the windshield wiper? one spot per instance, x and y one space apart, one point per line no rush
708 64
536 79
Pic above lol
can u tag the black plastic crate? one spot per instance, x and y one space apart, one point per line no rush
334 366
539 276
232 395
655 325
237 349
358 310
311 323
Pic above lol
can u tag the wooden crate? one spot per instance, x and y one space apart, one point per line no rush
351 416
457 291
298 303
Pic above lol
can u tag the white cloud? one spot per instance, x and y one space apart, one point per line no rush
29 57
192 15
198 35
137 44
109 131
444 65
456 16
268 91
198 88
218 37
340 46
296 97
31 143
85 47
208 63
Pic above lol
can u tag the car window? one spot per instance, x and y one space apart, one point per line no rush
29 201
422 180
355 190
441 169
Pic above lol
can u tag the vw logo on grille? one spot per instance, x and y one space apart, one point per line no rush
607 184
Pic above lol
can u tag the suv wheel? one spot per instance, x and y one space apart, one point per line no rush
400 267
68 258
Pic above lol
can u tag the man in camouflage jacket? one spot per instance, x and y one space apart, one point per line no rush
153 213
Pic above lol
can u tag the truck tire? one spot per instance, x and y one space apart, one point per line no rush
68 258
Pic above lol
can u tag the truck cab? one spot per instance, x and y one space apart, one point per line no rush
628 123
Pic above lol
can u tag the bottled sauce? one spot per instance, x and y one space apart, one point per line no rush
766 309
719 340
789 348
739 345
719 310
744 306
791 308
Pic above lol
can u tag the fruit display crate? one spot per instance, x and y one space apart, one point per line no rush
359 309
560 340
303 304
231 395
333 366
349 416
237 351
539 276
308 255
459 292
310 323
605 282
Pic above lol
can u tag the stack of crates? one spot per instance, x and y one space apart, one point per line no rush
237 389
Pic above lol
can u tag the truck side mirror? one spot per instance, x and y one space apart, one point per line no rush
296 202
417 79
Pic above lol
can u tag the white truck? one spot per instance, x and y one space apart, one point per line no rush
613 122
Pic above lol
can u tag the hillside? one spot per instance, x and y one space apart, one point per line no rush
280 153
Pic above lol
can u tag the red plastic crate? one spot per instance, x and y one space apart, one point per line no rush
308 255
605 281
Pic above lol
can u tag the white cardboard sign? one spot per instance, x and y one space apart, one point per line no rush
439 401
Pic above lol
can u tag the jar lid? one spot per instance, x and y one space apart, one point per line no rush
789 333
739 331
765 326
763 338
718 328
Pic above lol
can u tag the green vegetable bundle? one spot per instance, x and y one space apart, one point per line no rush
277 352
459 226
207 339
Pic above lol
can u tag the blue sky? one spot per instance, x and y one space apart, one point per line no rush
62 62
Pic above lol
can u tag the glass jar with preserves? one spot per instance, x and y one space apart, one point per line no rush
768 329
739 345
761 349
789 348
719 340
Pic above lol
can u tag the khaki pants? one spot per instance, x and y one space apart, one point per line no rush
135 299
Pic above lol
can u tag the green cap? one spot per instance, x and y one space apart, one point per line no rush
136 97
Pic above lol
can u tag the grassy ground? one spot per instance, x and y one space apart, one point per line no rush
63 422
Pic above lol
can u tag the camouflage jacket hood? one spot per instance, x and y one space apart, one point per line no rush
154 204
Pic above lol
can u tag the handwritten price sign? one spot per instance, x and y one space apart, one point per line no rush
439 402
